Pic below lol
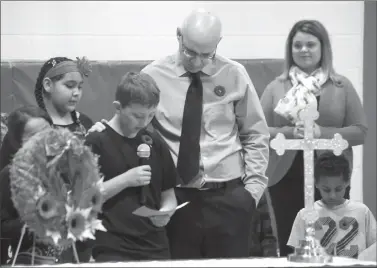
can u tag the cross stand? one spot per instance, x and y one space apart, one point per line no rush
310 250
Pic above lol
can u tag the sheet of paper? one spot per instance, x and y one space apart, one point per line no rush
148 212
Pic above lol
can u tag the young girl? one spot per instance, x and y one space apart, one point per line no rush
344 227
22 124
59 89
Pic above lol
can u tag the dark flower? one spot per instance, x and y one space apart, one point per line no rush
47 207
147 139
219 91
92 198
76 225
345 223
339 83
84 66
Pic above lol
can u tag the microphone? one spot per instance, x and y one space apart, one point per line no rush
143 152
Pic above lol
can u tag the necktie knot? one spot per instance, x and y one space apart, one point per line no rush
194 76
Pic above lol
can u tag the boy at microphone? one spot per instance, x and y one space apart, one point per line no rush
131 180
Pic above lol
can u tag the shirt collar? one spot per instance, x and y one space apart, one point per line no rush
209 69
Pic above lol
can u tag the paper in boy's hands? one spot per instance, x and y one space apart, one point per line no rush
144 211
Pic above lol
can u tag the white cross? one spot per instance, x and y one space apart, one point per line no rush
308 145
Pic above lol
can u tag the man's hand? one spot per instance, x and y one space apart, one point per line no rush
98 126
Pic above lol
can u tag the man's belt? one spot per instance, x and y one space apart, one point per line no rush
222 185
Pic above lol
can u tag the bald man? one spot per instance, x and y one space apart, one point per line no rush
211 118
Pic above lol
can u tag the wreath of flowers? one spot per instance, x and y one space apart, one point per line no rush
56 188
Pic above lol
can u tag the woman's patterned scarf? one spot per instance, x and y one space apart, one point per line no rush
302 94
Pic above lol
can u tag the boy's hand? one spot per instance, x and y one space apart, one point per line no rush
139 176
161 220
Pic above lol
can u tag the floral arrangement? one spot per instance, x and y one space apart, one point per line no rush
4 126
57 188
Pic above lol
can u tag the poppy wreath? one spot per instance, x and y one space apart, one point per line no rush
56 187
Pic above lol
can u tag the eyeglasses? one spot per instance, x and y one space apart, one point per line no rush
192 54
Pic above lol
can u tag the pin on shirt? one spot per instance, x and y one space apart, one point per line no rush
219 91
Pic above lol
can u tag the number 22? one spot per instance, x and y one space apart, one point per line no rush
339 248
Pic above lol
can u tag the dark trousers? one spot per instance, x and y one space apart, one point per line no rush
287 198
112 246
215 224
111 257
4 245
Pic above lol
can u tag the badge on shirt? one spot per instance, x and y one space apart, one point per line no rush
219 91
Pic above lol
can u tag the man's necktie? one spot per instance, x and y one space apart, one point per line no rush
189 147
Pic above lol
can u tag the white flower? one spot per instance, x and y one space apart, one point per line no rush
86 234
70 212
97 225
89 231
40 192
54 235
71 236
77 221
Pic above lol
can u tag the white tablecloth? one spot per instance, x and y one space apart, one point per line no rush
251 262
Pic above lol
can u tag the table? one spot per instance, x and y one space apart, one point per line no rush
250 262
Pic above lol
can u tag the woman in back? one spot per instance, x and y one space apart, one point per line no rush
309 79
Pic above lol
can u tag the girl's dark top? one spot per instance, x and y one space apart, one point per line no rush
81 128
11 225
128 234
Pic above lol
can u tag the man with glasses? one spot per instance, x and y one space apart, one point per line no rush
211 118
